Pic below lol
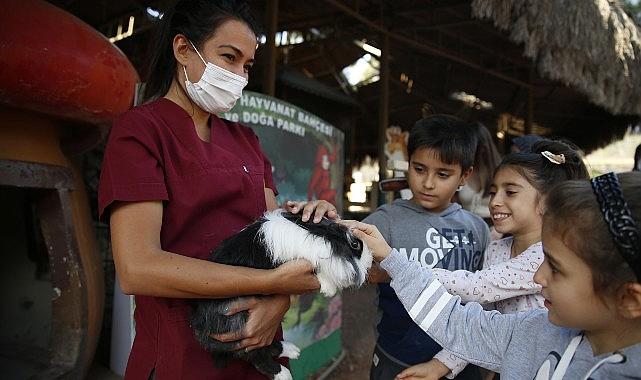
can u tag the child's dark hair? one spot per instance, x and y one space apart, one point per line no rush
453 139
198 20
540 171
574 212
487 158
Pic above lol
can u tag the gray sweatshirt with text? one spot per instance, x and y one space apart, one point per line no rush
452 239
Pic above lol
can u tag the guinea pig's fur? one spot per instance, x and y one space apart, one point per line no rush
340 261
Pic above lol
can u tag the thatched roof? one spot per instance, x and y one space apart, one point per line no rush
590 45
579 77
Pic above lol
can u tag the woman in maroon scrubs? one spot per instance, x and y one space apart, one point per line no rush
177 180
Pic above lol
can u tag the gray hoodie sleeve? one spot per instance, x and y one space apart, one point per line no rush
478 336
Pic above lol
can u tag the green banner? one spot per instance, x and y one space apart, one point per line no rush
305 151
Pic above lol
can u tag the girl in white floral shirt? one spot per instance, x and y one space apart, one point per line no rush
506 281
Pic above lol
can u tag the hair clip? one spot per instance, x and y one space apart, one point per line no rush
554 158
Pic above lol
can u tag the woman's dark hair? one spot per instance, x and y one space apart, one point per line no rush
487 158
637 159
198 20
542 173
453 139
574 213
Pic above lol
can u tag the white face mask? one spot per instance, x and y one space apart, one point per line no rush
217 90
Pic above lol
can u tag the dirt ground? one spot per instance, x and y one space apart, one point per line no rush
359 315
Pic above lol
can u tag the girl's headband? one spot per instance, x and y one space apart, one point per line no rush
617 215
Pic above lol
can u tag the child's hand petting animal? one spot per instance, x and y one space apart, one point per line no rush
318 209
432 370
372 238
265 316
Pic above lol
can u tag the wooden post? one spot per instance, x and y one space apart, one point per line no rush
529 117
383 109
269 80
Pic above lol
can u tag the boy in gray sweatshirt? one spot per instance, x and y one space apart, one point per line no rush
430 230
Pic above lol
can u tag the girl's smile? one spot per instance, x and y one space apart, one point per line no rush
497 217
514 203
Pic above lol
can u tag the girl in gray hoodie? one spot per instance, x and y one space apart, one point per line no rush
591 281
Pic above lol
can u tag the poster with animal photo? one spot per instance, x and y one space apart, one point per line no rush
305 151
307 163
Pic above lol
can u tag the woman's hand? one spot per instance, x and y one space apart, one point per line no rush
317 208
432 370
294 277
371 236
265 316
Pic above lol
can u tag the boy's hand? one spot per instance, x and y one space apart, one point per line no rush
316 208
432 370
371 236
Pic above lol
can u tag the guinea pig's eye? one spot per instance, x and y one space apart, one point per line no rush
354 243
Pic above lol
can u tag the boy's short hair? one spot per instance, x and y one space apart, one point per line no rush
453 139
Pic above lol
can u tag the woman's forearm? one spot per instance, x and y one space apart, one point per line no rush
144 268
165 274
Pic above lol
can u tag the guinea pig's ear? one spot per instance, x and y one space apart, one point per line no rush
354 243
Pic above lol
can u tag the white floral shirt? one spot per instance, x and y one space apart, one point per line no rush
505 282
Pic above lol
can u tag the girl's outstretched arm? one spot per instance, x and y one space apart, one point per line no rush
478 336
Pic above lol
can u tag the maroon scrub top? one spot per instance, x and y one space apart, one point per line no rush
210 190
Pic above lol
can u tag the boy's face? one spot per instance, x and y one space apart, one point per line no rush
433 182
567 287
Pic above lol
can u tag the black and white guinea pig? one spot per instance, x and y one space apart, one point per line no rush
340 261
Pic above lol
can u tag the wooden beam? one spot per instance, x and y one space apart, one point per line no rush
433 100
307 58
318 21
444 25
269 81
383 109
529 116
430 6
485 49
332 67
424 47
